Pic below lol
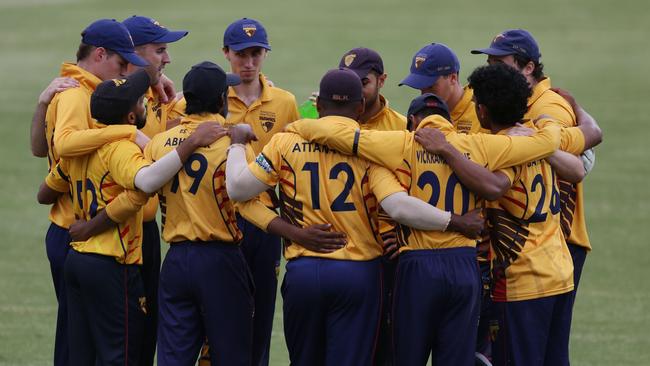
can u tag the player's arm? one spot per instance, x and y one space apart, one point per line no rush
385 148
241 183
487 184
38 140
150 178
567 166
56 183
593 135
82 230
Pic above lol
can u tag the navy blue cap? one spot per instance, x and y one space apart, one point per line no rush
112 35
513 41
245 33
428 100
341 85
429 63
206 82
362 60
146 30
113 99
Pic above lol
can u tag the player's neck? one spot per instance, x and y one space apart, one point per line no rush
85 65
371 111
249 92
455 97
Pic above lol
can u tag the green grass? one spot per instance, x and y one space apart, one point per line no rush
596 49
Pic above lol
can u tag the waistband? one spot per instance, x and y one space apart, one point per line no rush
103 257
211 243
459 251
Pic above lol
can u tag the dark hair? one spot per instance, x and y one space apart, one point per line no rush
198 105
503 90
85 50
522 61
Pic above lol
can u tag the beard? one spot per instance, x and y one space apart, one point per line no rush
140 121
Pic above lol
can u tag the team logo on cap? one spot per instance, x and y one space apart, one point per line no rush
119 82
349 59
249 29
340 97
498 37
155 22
143 304
419 60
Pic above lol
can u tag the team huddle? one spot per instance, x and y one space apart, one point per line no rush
455 233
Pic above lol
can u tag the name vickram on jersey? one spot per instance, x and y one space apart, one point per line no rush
425 157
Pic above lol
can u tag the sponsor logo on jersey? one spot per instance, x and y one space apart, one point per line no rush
263 163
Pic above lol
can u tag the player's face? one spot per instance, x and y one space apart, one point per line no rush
138 116
509 60
156 55
481 114
246 63
443 87
372 83
110 66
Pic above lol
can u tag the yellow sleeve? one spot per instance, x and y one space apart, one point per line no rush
124 159
512 173
505 151
558 109
266 164
58 179
255 212
176 109
125 205
383 182
572 140
381 147
74 134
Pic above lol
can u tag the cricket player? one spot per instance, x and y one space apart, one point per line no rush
435 69
267 109
531 265
104 52
332 302
206 288
519 49
103 280
151 41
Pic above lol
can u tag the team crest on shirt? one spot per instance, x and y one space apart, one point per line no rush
349 59
419 60
249 29
267 120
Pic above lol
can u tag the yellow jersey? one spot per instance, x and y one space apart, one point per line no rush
317 185
94 181
195 205
545 101
427 176
463 116
68 111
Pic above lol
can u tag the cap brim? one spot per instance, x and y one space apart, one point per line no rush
171 36
418 81
232 79
242 46
132 58
493 52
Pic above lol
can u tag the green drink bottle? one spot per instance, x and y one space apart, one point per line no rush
308 110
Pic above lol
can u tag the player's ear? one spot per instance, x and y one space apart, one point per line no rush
381 79
226 53
99 54
131 118
454 78
410 122
528 69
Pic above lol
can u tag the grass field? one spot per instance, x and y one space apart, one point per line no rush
597 49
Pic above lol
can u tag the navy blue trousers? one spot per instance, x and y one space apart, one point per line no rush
262 252
578 255
384 353
436 308
488 323
57 245
150 274
533 332
205 290
105 310
331 311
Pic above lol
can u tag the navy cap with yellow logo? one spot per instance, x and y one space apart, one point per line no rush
146 30
429 63
362 60
245 33
113 99
112 35
341 85
511 42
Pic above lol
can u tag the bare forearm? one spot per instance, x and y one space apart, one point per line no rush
100 223
475 177
38 140
589 127
567 166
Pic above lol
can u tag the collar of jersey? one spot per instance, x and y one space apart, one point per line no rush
203 117
439 123
265 96
382 111
464 103
84 77
539 89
